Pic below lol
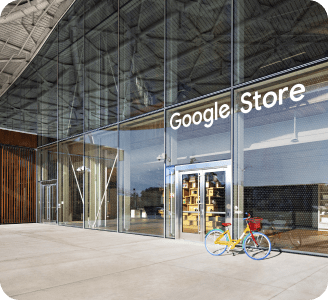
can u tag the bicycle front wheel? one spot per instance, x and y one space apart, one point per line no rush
211 246
257 251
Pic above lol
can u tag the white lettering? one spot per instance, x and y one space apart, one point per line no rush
200 118
210 119
177 121
293 92
224 109
247 102
216 111
210 114
184 120
281 92
265 99
256 98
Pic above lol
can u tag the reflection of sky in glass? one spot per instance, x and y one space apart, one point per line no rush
287 144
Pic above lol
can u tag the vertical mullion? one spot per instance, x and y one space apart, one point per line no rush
83 87
20 186
232 113
33 186
17 185
14 184
118 119
23 188
164 124
28 188
35 195
57 144
7 180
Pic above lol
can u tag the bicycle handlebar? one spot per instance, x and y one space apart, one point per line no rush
246 213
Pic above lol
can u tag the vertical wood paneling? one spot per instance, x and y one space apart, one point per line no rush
17 185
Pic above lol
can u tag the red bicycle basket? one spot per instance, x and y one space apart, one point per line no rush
255 223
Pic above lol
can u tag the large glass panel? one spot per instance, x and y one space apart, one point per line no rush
274 35
48 194
46 70
141 175
215 199
47 172
141 57
101 65
198 48
100 175
4 111
71 169
197 132
47 163
21 102
70 81
281 169
191 203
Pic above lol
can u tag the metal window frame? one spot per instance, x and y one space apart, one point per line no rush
233 87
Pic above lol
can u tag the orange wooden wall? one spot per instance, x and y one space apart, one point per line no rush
20 139
18 185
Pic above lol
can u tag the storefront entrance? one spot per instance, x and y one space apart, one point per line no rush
49 201
203 198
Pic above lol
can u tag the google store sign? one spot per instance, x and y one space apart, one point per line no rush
269 100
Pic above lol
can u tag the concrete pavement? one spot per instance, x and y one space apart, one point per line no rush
40 261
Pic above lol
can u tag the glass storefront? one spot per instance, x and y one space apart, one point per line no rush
195 133
281 166
47 184
168 118
141 175
100 179
71 169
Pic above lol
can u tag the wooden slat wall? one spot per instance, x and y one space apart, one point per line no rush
18 185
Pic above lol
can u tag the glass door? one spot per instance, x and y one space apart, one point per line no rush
192 207
203 198
49 203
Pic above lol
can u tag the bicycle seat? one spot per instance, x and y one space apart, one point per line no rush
226 224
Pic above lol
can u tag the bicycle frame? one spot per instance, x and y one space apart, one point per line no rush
231 243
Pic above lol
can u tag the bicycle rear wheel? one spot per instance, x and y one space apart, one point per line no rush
211 237
259 251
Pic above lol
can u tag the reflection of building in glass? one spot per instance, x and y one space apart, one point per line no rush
104 88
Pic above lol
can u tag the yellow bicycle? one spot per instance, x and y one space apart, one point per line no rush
256 244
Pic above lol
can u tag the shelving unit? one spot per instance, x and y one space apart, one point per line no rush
323 207
214 201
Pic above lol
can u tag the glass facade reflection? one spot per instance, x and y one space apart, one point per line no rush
198 48
71 169
100 175
272 36
124 94
141 57
101 65
281 169
141 175
71 72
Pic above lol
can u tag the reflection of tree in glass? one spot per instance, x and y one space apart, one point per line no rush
151 200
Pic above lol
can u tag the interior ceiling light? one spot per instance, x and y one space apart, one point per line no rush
295 137
278 61
83 169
